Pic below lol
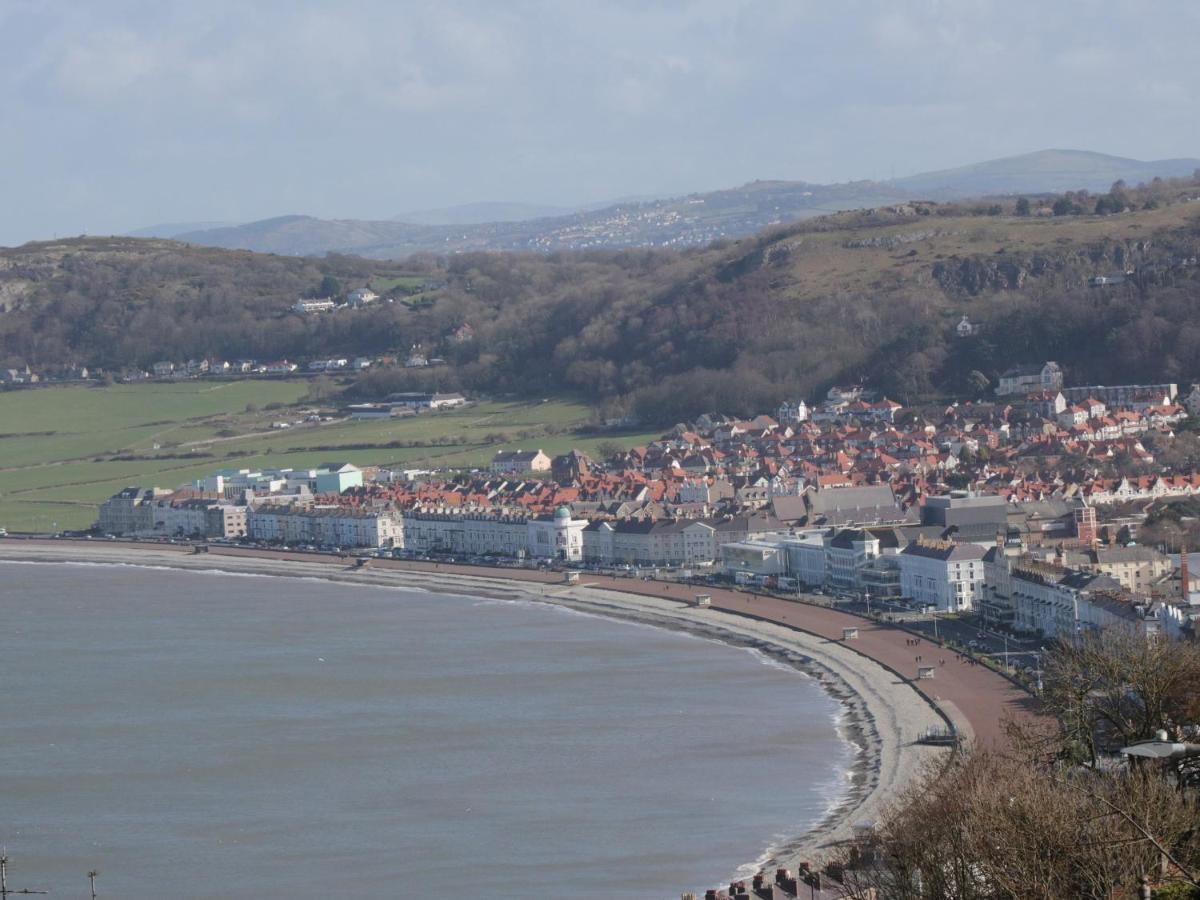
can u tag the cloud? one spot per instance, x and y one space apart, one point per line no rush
366 107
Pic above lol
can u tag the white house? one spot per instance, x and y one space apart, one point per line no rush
508 462
305 307
361 297
1026 379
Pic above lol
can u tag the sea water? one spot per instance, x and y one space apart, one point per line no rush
202 735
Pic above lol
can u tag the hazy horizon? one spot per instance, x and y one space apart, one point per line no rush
129 114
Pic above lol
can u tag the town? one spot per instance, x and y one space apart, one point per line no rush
1025 509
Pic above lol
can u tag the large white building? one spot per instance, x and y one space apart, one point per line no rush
1057 602
130 510
645 542
478 534
313 305
943 574
199 517
326 526
327 478
758 558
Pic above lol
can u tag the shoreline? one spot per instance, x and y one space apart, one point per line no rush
882 715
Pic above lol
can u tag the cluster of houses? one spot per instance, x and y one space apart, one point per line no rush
965 508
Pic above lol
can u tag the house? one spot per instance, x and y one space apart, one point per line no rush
462 334
163 369
416 359
1025 379
305 307
1047 404
507 462
283 367
19 376
965 329
328 365
792 412
360 297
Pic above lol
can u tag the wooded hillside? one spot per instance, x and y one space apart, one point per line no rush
734 326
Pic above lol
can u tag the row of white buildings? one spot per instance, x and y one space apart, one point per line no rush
1057 595
287 517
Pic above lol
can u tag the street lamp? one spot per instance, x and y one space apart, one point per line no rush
1161 748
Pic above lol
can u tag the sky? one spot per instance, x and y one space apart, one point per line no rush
118 114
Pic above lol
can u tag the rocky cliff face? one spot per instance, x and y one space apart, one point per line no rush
1142 262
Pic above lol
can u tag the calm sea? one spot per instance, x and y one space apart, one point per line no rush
205 735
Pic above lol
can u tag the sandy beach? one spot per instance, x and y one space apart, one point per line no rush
884 713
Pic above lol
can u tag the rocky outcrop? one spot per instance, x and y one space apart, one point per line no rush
972 276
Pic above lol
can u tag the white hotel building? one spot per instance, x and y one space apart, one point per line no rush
943 574
478 534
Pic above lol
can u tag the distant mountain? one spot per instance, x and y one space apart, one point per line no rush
1043 172
479 213
680 221
677 222
172 229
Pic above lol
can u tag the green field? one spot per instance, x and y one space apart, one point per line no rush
63 450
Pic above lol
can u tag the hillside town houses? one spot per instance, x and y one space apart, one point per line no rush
969 508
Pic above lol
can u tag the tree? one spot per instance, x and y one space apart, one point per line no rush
321 389
607 450
977 382
1064 206
1056 815
988 827
329 287
1022 207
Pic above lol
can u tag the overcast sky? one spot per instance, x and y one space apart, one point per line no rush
115 115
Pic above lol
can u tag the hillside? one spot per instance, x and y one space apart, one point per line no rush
479 213
687 221
1043 172
693 220
735 326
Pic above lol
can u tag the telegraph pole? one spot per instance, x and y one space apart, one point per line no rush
5 890
92 882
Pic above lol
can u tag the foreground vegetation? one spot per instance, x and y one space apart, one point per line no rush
667 334
63 450
1062 814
